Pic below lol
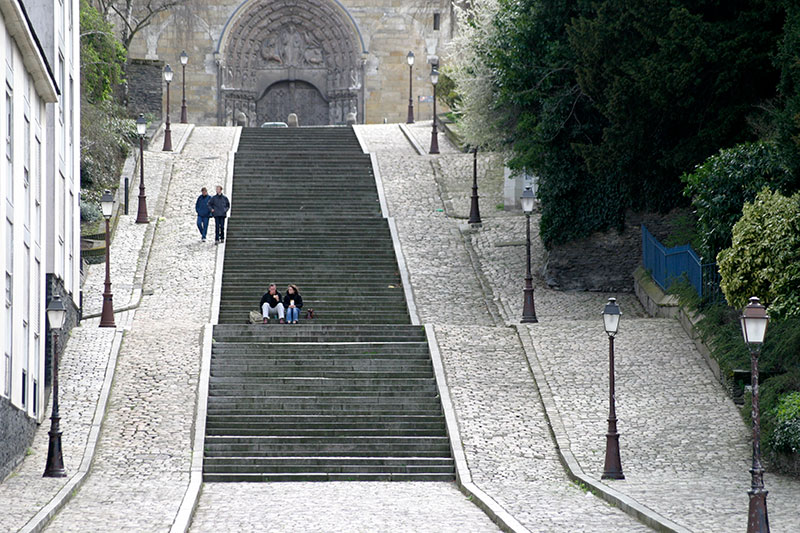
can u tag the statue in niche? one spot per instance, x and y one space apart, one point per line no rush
292 45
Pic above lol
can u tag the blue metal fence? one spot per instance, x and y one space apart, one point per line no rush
668 265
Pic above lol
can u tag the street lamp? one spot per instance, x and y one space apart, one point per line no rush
754 321
434 133
474 211
184 60
167 131
56 314
410 59
141 129
107 318
528 308
613 465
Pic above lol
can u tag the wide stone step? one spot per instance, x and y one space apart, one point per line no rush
306 477
312 420
346 468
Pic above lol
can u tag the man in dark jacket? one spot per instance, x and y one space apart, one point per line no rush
203 212
219 205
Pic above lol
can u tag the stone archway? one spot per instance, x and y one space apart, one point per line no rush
304 56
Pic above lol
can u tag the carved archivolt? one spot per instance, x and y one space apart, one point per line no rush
310 41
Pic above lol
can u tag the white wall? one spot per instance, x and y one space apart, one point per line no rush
22 213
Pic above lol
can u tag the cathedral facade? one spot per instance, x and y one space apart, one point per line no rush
256 61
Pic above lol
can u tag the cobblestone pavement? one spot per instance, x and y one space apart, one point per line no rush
141 468
82 370
685 448
351 507
506 439
83 365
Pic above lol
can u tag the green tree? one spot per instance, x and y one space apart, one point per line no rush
764 257
724 182
102 56
609 102
788 60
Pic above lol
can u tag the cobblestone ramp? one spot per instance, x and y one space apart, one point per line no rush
350 395
141 468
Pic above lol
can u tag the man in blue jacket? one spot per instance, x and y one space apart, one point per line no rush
203 212
219 205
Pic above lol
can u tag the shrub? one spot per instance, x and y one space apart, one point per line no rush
90 212
764 258
786 435
721 185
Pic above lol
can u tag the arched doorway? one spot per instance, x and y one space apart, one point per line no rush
303 57
298 97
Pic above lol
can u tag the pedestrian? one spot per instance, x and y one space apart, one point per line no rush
219 205
203 212
272 304
292 302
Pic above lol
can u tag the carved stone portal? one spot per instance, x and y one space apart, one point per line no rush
301 57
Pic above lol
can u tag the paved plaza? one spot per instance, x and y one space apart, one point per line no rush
685 448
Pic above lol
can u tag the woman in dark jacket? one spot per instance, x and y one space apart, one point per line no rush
292 302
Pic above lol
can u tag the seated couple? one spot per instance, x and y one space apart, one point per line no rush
289 305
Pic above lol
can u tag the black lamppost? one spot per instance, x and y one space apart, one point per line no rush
754 321
167 130
434 132
410 59
474 211
141 129
613 464
107 318
184 60
56 314
528 307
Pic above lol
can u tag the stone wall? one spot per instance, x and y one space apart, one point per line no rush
146 87
388 29
16 434
54 285
605 261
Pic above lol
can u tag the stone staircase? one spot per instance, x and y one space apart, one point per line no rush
350 395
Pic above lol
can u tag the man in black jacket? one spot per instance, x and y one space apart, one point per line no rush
219 205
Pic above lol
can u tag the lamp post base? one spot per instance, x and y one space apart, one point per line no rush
410 117
167 140
55 459
184 114
757 521
141 215
107 318
613 465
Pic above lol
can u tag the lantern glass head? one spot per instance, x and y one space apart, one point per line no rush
184 58
754 321
56 312
410 58
434 75
168 73
611 316
527 200
141 125
107 204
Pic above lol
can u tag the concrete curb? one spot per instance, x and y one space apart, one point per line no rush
376 172
487 504
405 278
413 140
183 519
573 468
360 137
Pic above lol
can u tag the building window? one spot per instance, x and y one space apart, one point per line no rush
436 21
61 105
26 176
9 345
10 147
37 191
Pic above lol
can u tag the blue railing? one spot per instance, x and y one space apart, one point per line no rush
668 265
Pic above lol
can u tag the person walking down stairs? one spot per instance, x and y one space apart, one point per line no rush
272 304
219 205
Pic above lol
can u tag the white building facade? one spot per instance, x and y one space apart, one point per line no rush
39 203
